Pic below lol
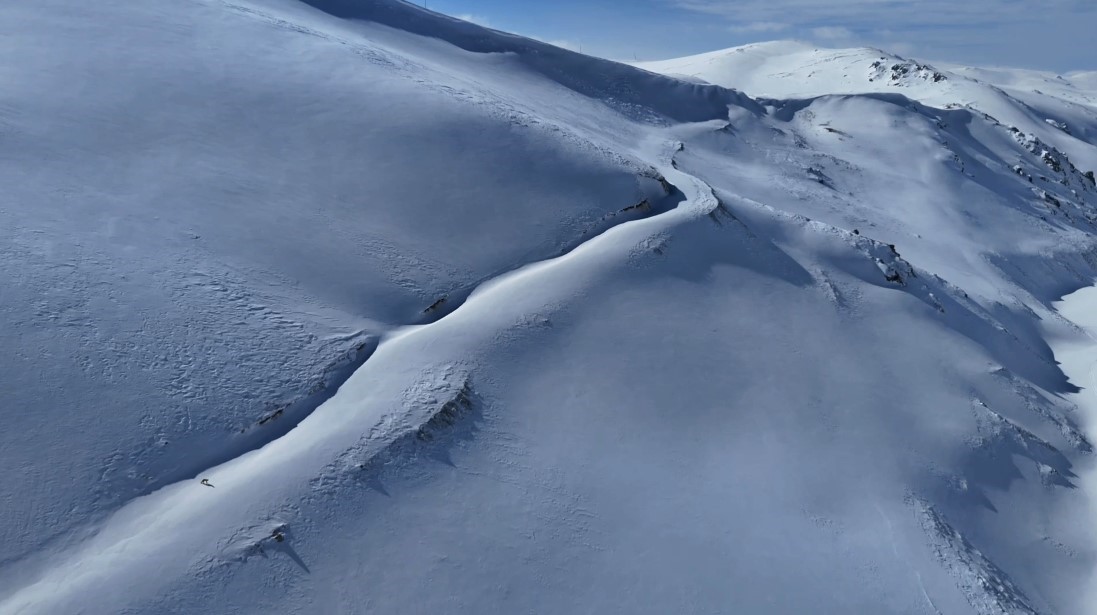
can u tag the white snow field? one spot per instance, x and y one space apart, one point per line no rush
455 321
1061 110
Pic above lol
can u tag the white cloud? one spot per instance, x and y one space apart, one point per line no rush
832 33
1055 32
760 26
883 14
899 47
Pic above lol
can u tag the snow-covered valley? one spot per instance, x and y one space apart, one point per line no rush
451 320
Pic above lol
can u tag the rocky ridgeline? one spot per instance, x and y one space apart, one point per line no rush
1058 162
898 72
1081 186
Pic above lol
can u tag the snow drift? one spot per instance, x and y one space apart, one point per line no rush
451 320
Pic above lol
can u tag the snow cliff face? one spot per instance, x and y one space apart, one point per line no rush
451 320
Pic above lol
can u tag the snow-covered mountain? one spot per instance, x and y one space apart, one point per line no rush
1060 109
347 306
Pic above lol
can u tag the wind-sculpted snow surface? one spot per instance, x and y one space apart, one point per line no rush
453 321
207 212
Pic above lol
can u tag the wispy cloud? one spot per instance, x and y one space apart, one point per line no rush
760 26
1055 34
881 14
973 30
832 33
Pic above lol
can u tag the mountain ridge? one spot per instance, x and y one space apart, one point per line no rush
632 333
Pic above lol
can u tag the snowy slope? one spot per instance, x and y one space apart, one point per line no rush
603 340
199 238
1059 110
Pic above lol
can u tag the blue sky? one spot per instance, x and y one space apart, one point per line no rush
1056 35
